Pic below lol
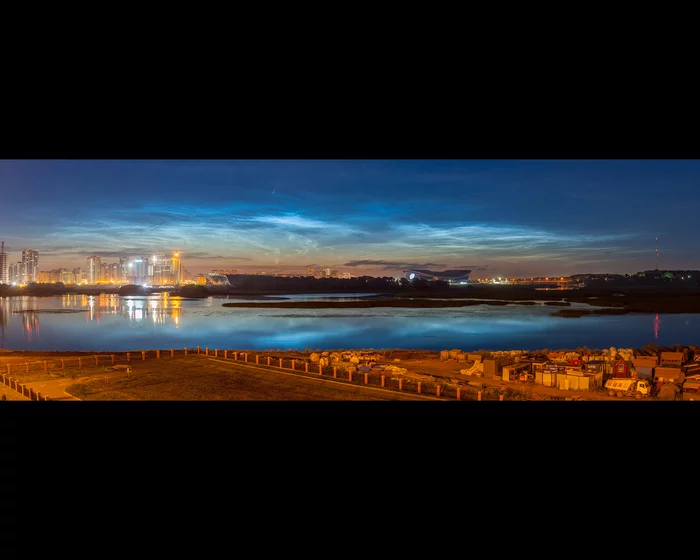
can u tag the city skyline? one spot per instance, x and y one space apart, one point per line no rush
365 217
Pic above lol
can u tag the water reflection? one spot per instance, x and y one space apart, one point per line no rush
656 327
110 322
156 308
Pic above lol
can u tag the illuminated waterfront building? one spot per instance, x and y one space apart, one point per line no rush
175 269
114 275
3 266
94 267
451 276
30 259
137 271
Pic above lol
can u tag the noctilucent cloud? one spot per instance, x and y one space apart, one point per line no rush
373 217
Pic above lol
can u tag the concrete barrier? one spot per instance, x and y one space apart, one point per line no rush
143 354
157 354
306 367
172 352
478 396
419 385
400 384
459 393
437 390
383 381
268 360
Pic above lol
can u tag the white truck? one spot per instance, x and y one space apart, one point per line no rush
628 387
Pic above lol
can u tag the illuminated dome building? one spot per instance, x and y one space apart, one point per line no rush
451 276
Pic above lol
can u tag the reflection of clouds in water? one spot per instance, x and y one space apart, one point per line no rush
132 323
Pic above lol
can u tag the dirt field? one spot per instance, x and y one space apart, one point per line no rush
197 378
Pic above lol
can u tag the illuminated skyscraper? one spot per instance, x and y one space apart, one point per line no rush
3 266
137 270
94 268
30 259
175 269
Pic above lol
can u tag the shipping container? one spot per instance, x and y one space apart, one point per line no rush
646 361
645 372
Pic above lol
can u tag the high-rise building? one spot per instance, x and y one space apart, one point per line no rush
122 270
137 270
114 273
3 266
175 269
310 271
94 268
104 272
30 259
77 275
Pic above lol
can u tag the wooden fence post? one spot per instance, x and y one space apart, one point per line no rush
306 367
143 354
478 396
400 384
114 359
257 359
198 350
268 360
185 350
172 352
225 354
280 362
157 354
293 364
128 356
206 351
459 393
383 380
437 390
235 355
246 356
419 384
216 352
335 371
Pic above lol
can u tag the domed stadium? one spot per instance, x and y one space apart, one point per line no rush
451 276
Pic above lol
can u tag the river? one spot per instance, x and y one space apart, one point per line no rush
115 323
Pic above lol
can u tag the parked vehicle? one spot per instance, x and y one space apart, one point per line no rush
628 387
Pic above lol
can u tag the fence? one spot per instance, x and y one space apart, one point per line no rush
382 379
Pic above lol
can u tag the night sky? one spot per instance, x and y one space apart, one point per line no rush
375 217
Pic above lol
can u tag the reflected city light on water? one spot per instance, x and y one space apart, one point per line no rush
111 322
